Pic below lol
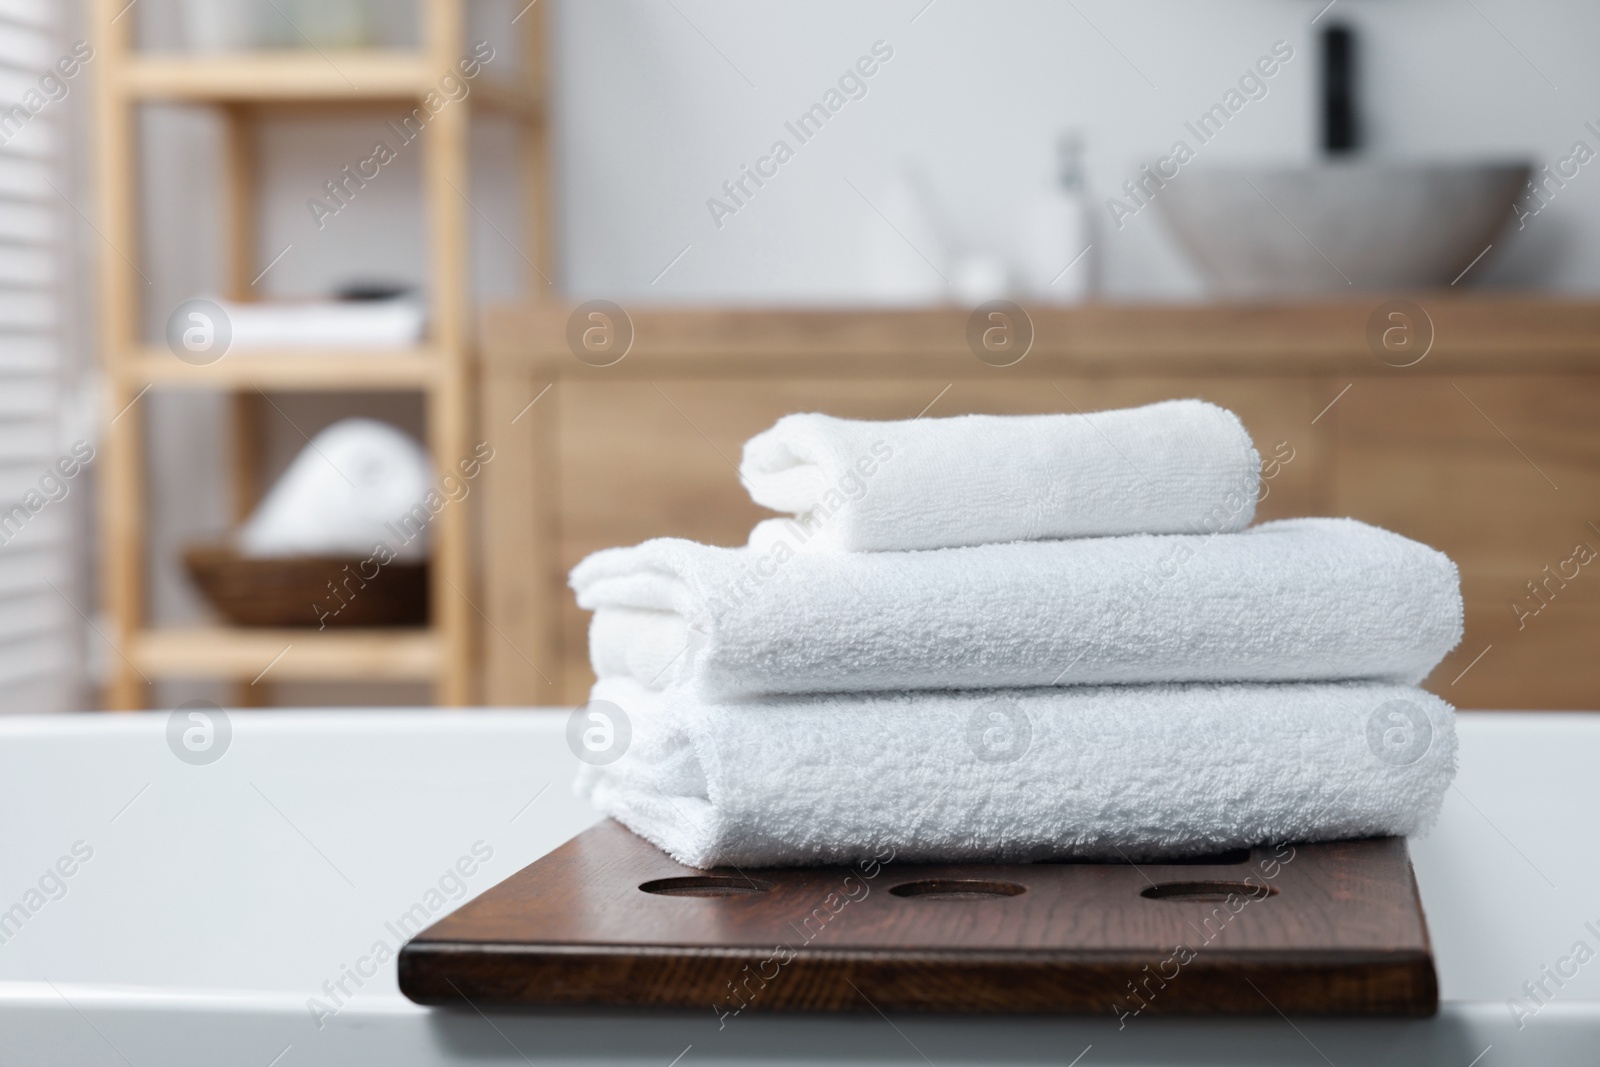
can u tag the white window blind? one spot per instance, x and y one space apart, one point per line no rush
38 505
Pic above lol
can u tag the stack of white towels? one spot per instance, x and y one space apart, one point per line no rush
1019 638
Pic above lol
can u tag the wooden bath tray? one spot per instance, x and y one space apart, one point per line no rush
608 919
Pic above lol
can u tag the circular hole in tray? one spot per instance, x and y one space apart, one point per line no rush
1208 891
956 889
705 885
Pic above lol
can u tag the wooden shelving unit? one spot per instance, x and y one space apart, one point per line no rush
247 88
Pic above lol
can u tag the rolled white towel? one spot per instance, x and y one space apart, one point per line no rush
1297 600
1023 775
645 645
356 485
1181 466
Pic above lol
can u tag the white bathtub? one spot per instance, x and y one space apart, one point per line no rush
216 900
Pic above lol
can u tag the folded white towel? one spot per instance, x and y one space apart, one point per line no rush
357 325
1021 775
1297 600
1182 466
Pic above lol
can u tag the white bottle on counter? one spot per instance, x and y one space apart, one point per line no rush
1057 246
905 257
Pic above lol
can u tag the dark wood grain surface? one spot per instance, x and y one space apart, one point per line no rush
608 919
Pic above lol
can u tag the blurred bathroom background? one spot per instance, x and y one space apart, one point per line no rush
981 127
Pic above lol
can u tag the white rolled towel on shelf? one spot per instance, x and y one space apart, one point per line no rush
357 484
1296 600
1110 772
1180 466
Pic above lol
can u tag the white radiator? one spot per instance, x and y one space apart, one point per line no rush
40 502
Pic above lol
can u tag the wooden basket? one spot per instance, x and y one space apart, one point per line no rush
311 591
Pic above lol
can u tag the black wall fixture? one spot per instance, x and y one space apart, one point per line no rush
1341 133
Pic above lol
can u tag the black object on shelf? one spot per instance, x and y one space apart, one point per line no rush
1341 134
368 290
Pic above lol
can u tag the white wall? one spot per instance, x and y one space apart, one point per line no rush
653 119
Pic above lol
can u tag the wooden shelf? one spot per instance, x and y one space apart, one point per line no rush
295 368
289 75
287 655
309 78
293 77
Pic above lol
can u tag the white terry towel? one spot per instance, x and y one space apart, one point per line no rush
356 485
1182 466
370 326
1024 775
1297 600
